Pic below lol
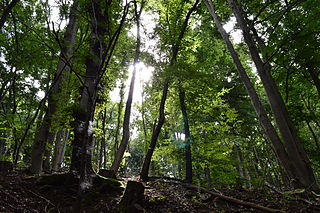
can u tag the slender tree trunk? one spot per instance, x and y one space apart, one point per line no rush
239 166
120 106
260 111
126 122
63 69
207 175
102 157
7 11
155 134
188 157
316 140
161 119
143 115
315 78
304 176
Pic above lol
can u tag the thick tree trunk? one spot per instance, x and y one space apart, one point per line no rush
61 75
59 149
83 131
133 198
188 157
260 111
304 176
126 122
98 58
161 119
47 153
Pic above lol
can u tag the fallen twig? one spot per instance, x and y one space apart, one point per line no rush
48 201
273 188
234 200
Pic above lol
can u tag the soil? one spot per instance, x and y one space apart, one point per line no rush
20 192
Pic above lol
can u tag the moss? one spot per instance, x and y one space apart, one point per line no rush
61 179
107 185
157 199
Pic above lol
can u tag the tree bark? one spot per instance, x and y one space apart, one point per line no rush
47 153
63 69
120 106
102 156
82 142
304 176
188 157
96 61
133 198
155 134
59 149
161 119
315 78
126 122
7 11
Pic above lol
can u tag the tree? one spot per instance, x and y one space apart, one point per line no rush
7 11
96 61
187 135
161 119
58 84
126 122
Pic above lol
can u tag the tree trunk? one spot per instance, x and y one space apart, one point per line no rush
144 125
98 58
315 78
83 131
47 153
187 135
260 111
63 69
316 140
207 175
59 149
120 106
161 119
155 134
133 198
126 122
303 173
102 156
239 166
7 11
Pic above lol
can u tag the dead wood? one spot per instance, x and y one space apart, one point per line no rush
233 200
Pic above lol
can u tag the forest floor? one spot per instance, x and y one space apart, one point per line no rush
22 193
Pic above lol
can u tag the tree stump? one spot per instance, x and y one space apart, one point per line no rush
133 198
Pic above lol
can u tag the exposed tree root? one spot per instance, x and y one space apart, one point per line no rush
233 200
